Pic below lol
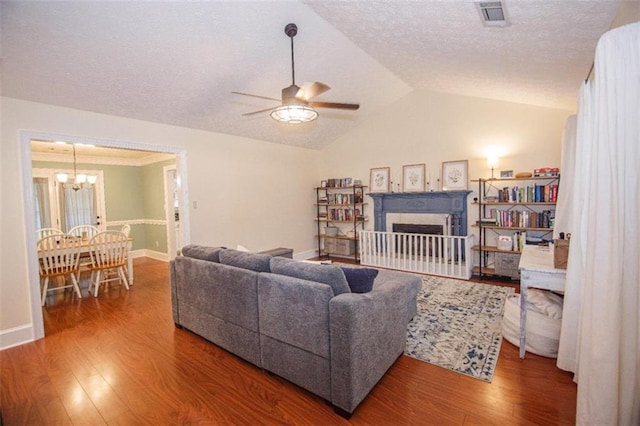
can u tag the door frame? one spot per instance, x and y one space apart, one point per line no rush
25 137
172 241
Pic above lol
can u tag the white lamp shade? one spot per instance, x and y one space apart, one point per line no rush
492 161
92 179
81 178
62 177
294 114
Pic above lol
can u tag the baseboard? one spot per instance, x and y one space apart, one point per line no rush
16 336
164 257
309 254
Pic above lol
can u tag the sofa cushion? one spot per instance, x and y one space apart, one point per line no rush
252 261
360 280
331 275
194 251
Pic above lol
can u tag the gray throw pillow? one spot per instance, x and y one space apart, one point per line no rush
253 261
194 251
331 275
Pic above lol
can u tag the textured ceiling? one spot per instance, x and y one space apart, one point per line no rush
177 62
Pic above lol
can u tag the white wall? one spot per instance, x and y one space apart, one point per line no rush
429 127
248 192
628 12
259 194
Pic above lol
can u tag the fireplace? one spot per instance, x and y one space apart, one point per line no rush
412 228
415 244
452 204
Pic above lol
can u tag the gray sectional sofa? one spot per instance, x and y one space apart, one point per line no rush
294 319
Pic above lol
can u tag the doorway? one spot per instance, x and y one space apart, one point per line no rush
64 205
26 137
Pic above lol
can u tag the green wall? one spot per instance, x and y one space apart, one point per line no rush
131 193
152 180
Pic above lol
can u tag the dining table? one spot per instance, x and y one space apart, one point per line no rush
83 249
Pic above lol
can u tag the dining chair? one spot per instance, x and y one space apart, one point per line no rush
84 231
59 257
45 232
108 252
126 229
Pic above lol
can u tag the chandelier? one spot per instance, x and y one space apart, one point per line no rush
78 178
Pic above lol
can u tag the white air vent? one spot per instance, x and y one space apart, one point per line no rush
492 13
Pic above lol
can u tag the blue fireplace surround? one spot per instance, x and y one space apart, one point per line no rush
453 203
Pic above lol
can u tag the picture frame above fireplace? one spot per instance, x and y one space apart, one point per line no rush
455 175
379 180
413 177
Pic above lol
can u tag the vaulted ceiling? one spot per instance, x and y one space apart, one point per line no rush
178 62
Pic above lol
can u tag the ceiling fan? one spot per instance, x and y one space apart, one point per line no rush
297 105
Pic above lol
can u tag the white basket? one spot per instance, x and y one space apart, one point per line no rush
331 231
505 243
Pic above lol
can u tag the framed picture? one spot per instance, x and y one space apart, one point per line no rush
380 179
323 184
413 178
454 175
506 174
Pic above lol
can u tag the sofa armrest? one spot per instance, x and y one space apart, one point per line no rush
368 333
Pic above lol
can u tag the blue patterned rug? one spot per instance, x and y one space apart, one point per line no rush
458 326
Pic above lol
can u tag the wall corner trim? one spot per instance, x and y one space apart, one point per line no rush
16 336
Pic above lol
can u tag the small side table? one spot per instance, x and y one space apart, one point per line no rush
536 271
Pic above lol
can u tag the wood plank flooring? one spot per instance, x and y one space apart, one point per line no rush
119 360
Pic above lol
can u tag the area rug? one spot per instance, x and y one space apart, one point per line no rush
458 326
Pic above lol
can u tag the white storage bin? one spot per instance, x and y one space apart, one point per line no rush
340 247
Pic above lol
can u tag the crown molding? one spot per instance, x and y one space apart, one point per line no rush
112 161
161 222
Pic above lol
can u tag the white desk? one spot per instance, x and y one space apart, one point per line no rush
536 271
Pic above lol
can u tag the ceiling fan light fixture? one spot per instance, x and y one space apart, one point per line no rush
294 114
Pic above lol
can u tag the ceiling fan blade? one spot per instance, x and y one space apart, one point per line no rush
258 112
335 105
309 91
257 96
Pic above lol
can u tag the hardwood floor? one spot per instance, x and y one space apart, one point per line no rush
119 360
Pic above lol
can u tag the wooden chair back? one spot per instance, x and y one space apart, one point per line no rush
45 232
108 249
126 229
84 231
59 255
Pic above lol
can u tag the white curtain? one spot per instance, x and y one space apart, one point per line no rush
600 339
77 207
567 163
575 169
41 194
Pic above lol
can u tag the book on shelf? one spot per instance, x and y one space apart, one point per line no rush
339 182
486 221
341 198
546 172
523 219
530 194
